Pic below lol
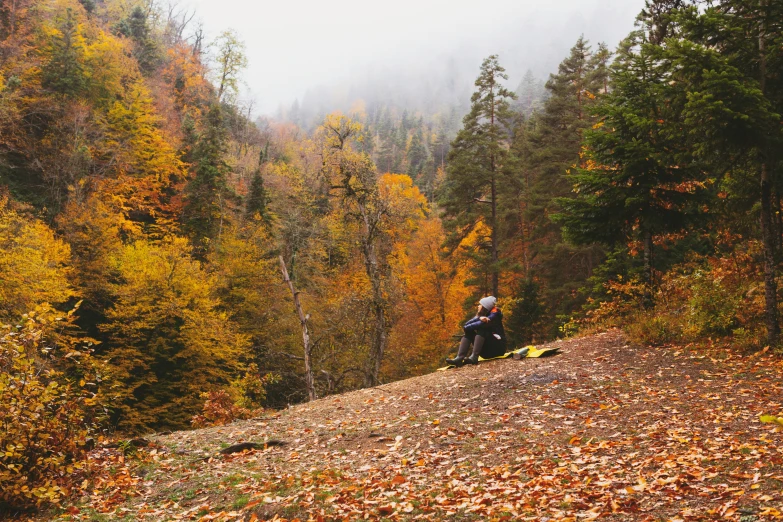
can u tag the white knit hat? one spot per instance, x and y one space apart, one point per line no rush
488 302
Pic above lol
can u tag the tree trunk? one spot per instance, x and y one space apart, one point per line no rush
527 227
495 275
494 224
768 239
378 347
373 367
648 269
778 229
305 334
767 234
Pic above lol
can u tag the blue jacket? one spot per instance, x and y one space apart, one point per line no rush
495 319
492 331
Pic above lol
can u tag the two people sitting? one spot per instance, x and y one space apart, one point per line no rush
485 332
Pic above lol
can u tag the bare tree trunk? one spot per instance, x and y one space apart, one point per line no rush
648 269
494 224
495 275
378 347
767 235
778 228
525 226
768 239
305 334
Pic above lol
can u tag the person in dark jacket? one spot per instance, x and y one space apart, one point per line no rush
485 332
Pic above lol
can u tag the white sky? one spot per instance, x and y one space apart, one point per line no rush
293 45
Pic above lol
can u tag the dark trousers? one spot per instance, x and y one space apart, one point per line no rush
476 339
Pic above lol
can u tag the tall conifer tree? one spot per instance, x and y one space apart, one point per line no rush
476 159
417 154
636 179
545 149
256 203
137 28
730 58
208 195
65 72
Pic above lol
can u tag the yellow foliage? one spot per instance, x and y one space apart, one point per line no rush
169 341
247 281
120 9
33 263
336 127
403 204
136 140
358 109
45 415
187 75
109 69
94 230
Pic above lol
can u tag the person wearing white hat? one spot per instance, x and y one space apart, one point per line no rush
485 332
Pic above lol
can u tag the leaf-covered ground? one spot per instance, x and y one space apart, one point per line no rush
602 430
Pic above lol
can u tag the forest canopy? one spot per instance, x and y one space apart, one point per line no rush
145 212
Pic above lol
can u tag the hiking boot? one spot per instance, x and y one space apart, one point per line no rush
457 361
473 359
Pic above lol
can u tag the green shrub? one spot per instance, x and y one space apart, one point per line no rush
748 339
714 306
704 298
652 329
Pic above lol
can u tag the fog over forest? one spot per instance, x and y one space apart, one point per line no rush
412 55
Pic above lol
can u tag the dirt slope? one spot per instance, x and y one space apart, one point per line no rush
601 430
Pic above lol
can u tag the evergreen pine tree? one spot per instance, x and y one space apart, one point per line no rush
366 141
478 153
406 123
386 152
525 312
599 69
426 179
566 115
145 49
207 195
64 73
545 148
440 147
256 198
417 154
399 148
556 136
295 114
636 179
531 94
256 203
730 58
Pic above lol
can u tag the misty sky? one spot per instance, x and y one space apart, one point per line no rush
296 45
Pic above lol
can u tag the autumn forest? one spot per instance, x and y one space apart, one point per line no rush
169 259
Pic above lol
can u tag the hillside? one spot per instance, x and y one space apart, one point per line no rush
147 215
603 429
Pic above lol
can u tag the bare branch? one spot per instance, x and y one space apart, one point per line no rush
289 355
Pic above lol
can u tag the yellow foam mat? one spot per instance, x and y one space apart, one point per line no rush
504 356
534 352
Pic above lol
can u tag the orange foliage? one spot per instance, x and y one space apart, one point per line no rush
435 291
185 73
